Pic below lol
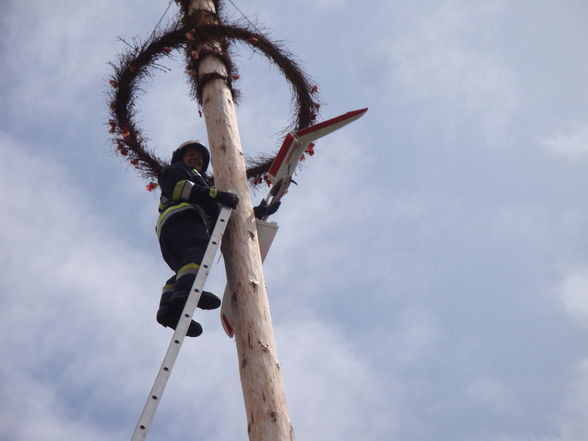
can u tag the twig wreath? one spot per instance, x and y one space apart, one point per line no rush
196 33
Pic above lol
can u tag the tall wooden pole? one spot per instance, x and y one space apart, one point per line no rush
261 380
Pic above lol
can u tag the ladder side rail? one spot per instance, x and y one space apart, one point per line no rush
175 344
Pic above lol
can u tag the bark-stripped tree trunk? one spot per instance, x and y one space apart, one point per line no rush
261 380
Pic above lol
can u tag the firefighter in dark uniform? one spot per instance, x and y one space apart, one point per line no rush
188 211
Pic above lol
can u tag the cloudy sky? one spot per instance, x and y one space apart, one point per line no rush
429 281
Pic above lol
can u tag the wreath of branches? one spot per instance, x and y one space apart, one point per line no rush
200 34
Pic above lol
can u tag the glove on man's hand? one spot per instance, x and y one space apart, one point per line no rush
225 198
266 210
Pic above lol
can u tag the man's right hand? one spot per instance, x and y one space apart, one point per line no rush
227 198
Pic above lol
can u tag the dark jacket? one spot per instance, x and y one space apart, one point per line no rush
185 190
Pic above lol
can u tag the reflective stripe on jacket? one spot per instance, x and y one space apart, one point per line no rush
182 190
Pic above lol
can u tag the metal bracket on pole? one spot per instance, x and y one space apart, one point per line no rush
175 344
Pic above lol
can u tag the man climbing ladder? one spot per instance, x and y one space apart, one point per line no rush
188 211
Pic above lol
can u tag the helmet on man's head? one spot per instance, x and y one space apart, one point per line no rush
178 153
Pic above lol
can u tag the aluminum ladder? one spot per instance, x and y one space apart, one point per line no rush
175 344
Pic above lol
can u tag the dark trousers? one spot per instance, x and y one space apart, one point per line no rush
183 242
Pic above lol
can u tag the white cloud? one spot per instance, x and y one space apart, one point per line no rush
76 298
438 62
328 380
413 333
573 294
509 437
574 409
56 63
33 411
327 5
491 393
572 145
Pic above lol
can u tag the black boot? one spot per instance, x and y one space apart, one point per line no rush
207 299
181 290
169 314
